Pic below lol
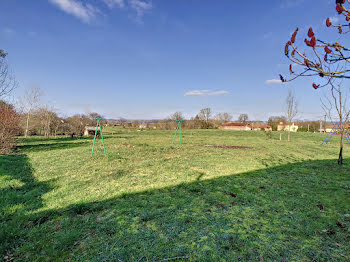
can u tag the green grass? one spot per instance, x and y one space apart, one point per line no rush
148 201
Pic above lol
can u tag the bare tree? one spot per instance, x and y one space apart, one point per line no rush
122 121
291 109
30 102
205 115
337 103
7 79
48 119
57 122
243 118
177 116
223 117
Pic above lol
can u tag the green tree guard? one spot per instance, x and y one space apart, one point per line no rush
177 128
93 145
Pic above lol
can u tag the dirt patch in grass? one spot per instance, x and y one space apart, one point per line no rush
225 146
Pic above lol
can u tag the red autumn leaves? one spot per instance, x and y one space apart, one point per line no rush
294 35
292 41
312 41
315 86
328 22
339 6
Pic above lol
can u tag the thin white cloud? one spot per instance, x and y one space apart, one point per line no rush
140 7
206 93
334 19
85 12
113 3
273 81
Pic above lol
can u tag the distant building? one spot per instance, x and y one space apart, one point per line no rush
244 127
234 126
257 127
90 131
286 127
330 127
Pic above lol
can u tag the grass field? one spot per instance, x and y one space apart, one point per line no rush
147 201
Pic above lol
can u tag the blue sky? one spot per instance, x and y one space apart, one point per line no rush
142 59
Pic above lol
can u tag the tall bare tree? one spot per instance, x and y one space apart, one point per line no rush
48 119
291 109
243 118
7 79
205 115
338 104
223 117
177 116
30 102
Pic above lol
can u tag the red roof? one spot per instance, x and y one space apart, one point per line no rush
235 124
260 126
238 124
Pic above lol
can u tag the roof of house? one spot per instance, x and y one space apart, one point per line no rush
238 124
331 126
259 126
235 124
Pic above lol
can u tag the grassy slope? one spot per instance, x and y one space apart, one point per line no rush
148 201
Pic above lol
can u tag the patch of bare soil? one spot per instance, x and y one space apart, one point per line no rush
225 146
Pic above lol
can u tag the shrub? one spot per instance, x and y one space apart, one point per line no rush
268 133
9 127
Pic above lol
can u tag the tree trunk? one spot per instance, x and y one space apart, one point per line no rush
27 124
340 158
289 131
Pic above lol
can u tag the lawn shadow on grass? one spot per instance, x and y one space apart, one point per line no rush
36 144
58 139
271 214
20 195
49 146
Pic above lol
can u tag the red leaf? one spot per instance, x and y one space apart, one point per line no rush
311 43
339 8
294 35
286 48
327 50
315 87
328 22
310 33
